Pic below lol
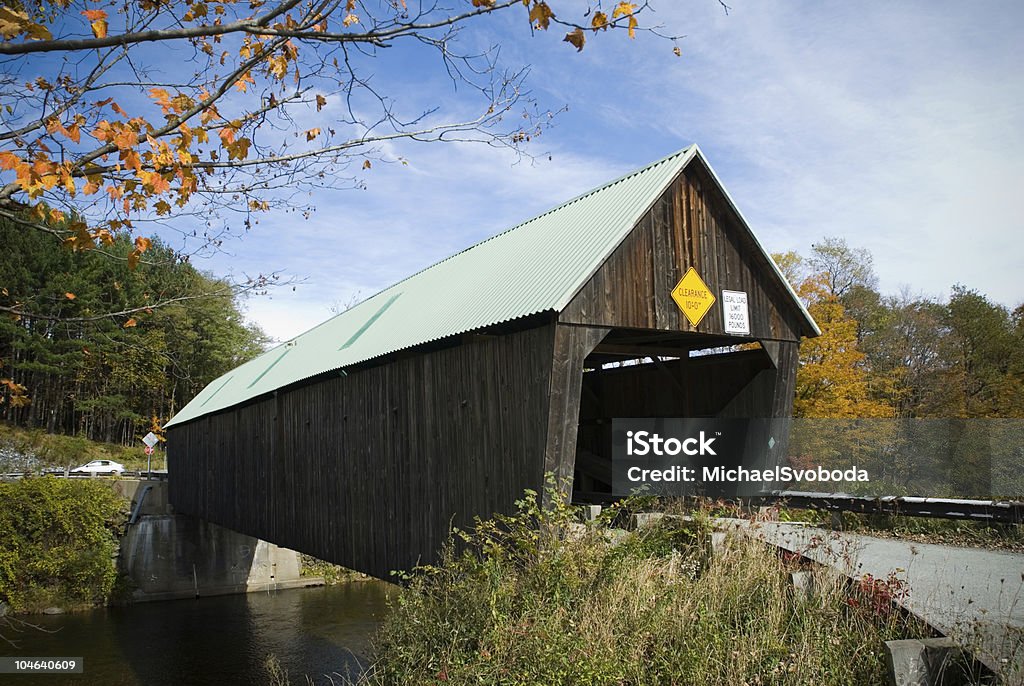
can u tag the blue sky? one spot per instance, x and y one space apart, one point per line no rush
897 126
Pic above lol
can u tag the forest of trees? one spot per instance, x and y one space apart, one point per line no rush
932 376
903 355
75 366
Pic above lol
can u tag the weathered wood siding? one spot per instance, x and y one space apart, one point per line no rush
370 469
691 225
770 384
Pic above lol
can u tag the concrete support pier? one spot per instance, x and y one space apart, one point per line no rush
169 556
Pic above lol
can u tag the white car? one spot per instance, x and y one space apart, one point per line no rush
99 467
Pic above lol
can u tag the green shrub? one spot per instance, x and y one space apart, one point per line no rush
58 542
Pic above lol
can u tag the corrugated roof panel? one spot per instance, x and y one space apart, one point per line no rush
534 267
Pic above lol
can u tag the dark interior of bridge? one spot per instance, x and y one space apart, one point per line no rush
655 374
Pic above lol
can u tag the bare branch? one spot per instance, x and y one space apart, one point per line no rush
227 290
128 39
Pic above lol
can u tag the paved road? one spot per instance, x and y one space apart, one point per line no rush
972 595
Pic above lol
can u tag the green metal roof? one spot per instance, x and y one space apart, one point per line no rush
534 267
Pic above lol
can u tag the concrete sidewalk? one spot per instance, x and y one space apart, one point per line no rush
972 595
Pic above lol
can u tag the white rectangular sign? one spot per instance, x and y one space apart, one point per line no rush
735 312
150 439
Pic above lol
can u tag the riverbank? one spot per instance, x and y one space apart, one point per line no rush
66 545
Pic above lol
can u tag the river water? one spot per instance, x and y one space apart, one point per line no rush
314 632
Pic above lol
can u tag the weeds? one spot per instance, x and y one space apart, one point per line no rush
276 674
516 600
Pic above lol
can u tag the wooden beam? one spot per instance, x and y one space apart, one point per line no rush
774 350
640 351
668 372
572 344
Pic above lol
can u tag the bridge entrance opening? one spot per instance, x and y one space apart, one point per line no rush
663 374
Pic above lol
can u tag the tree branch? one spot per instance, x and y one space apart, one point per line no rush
127 39
18 312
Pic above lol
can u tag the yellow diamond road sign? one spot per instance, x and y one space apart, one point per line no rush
693 296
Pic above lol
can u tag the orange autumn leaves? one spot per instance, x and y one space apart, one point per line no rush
16 393
16 22
97 21
38 173
149 158
832 380
541 15
153 159
144 172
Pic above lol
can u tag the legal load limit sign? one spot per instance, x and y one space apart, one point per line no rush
735 313
693 296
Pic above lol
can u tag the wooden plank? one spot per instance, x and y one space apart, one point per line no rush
636 351
661 265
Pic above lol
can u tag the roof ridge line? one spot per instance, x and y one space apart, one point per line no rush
534 218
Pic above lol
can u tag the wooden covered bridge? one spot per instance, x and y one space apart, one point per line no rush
446 395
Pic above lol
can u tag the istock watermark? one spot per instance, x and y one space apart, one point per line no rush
644 442
727 457
696 456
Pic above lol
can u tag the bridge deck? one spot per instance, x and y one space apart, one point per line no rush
974 596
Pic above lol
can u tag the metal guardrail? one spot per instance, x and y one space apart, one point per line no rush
1001 511
996 511
158 475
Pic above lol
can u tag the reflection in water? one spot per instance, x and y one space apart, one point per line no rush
223 640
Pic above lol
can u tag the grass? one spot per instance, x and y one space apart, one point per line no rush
538 599
33 450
